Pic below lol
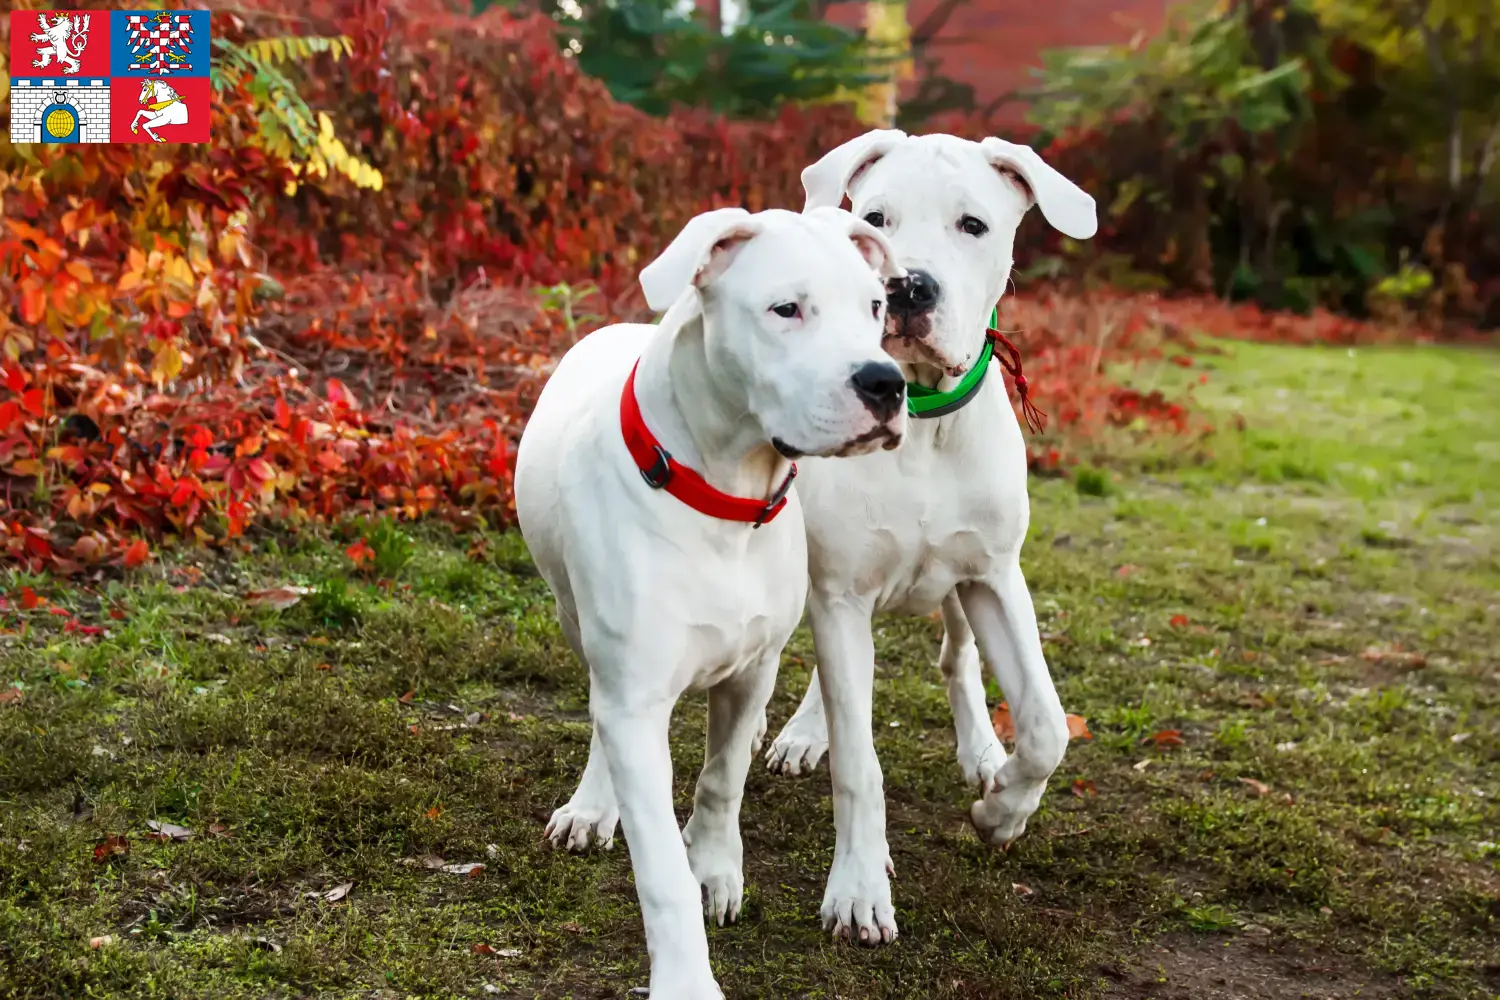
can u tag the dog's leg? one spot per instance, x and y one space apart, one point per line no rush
857 902
1003 619
591 814
632 728
804 739
712 833
761 728
980 753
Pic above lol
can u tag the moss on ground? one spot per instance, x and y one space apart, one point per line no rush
1313 609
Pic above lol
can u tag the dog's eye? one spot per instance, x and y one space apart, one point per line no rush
787 310
876 219
875 308
972 226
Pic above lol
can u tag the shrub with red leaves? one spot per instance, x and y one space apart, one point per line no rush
188 344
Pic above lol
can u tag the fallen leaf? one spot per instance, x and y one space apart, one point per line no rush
267 944
1260 788
414 729
1078 728
102 941
1394 656
137 553
1459 737
338 892
325 666
12 696
471 869
1005 728
168 831
1084 789
1166 738
1141 765
432 862
1179 621
29 599
1022 890
434 812
279 598
1125 570
110 847
473 719
219 830
573 927
482 949
406 698
508 952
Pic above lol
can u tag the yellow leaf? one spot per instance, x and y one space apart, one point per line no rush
167 364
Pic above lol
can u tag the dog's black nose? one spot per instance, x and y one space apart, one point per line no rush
913 295
881 387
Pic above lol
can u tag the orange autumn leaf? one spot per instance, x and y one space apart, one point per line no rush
1005 728
1179 621
1078 728
1260 788
360 553
434 812
1166 739
112 846
137 554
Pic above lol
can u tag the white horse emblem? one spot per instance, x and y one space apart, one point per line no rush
68 35
164 106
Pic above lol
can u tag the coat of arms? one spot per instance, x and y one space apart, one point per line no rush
65 36
159 43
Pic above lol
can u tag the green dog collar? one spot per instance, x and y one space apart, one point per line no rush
922 402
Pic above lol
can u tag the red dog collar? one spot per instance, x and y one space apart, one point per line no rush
661 471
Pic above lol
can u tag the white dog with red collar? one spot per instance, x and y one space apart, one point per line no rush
652 487
940 522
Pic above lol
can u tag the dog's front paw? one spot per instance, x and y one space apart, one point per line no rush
1000 817
579 824
857 903
982 762
799 746
716 858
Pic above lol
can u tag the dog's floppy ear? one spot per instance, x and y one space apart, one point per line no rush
869 241
1066 206
701 251
827 180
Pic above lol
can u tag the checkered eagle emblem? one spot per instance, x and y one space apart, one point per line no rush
158 42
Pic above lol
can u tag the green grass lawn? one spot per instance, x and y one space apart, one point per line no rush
1309 601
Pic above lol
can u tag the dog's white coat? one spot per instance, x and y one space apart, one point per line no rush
938 523
657 598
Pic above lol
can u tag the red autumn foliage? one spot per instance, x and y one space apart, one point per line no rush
188 347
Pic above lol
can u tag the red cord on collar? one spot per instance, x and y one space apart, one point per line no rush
663 472
1035 418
